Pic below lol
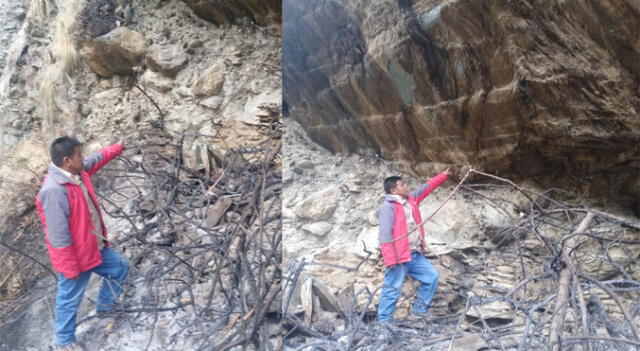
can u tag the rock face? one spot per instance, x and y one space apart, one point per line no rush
227 11
519 88
116 52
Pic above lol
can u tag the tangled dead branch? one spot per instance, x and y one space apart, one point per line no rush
207 246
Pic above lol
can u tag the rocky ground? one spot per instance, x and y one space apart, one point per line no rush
164 79
481 247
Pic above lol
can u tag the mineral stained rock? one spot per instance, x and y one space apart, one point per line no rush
527 88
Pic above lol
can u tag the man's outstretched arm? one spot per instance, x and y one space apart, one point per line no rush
430 186
95 161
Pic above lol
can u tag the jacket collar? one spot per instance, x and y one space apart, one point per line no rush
60 175
395 198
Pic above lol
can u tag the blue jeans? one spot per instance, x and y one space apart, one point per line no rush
419 269
114 269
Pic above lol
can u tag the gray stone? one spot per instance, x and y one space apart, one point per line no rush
497 309
183 92
328 301
494 223
167 59
212 102
9 140
155 81
85 109
471 342
305 164
318 228
17 124
319 206
369 236
217 211
195 44
210 82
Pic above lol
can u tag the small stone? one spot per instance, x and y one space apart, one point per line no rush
21 15
196 44
183 92
306 164
217 211
212 102
85 109
328 300
496 309
319 206
17 124
368 236
10 140
318 228
211 81
168 60
155 81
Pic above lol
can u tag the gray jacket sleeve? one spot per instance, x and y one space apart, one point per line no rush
92 160
419 190
55 205
385 220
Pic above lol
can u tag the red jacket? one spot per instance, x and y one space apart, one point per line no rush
394 241
66 218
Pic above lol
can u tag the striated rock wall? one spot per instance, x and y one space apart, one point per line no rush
219 12
534 89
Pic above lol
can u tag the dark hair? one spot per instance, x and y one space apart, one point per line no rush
390 183
61 148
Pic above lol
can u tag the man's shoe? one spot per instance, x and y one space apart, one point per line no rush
383 331
419 316
108 314
74 346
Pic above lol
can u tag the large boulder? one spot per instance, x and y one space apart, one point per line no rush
114 53
515 87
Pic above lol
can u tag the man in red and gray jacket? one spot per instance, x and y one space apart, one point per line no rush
75 234
402 243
